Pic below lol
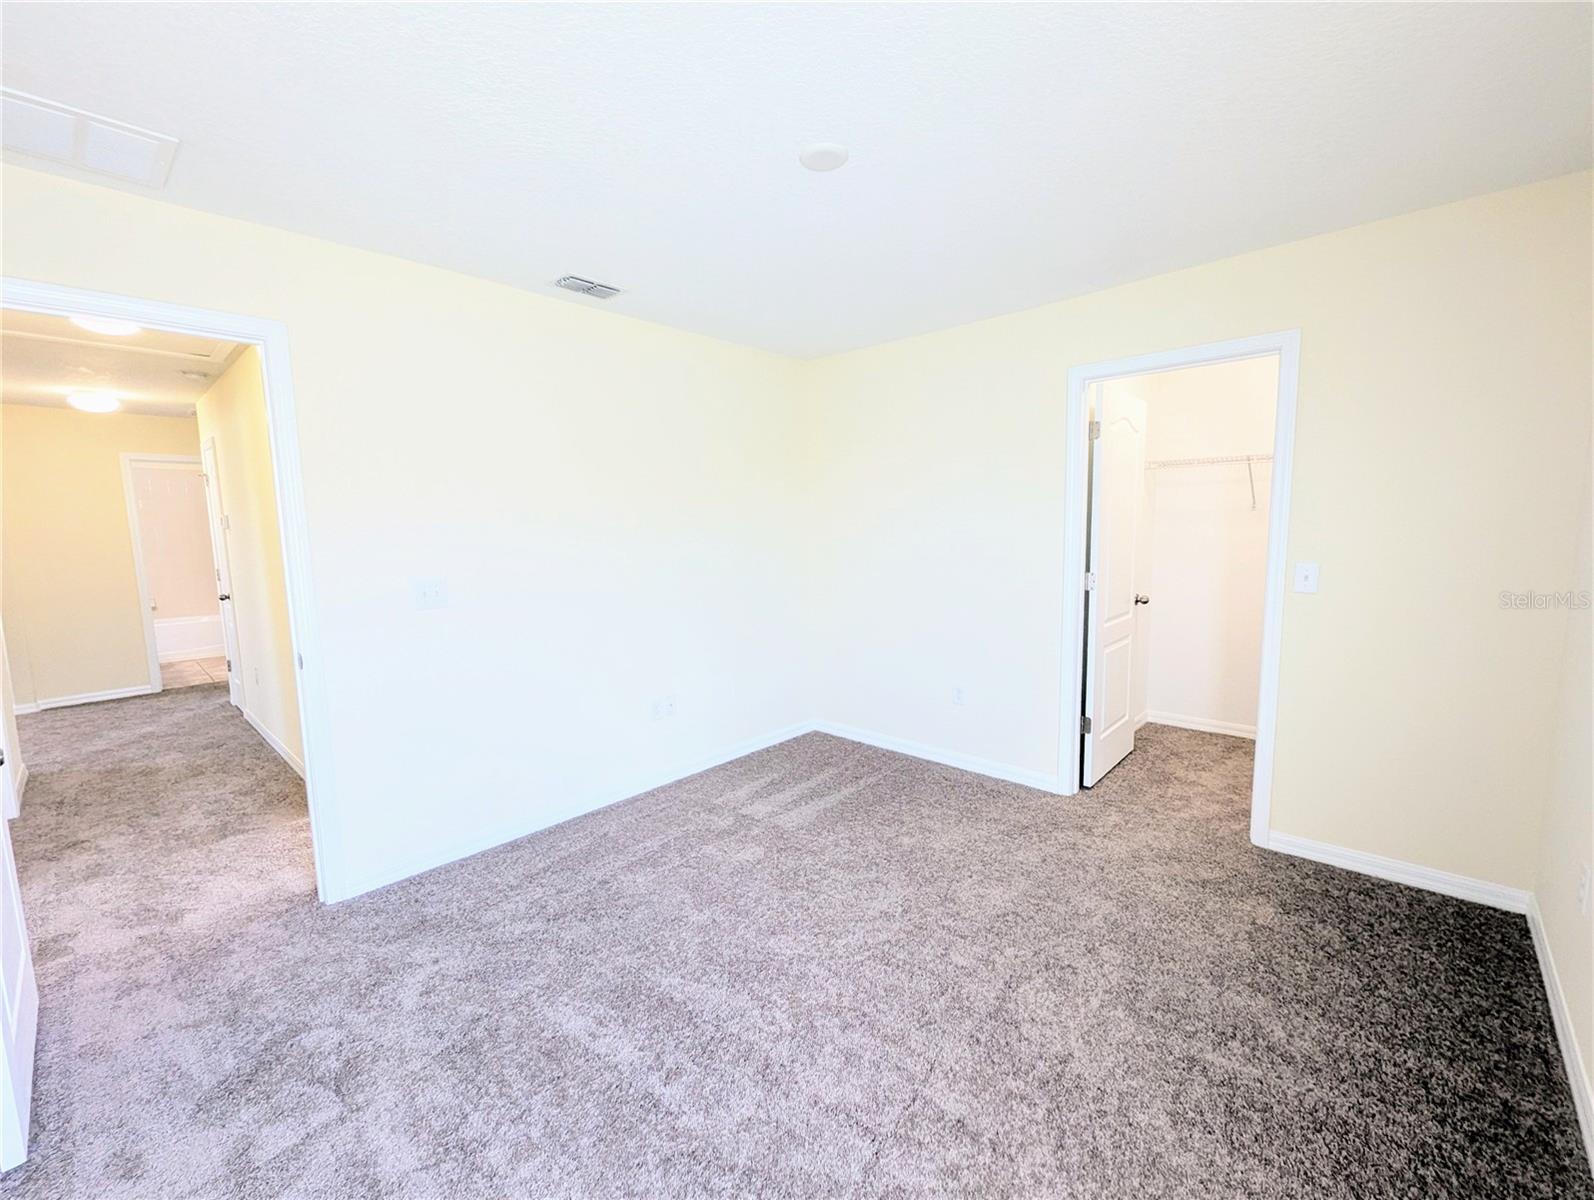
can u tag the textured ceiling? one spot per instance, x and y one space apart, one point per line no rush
44 358
1002 156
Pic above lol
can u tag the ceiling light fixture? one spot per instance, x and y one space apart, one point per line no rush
109 326
94 402
823 156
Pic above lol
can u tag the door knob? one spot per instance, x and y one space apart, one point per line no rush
1139 599
228 596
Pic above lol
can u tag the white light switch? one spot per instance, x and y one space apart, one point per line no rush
431 593
1305 577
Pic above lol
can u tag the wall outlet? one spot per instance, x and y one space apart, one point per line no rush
1583 885
431 593
958 697
664 708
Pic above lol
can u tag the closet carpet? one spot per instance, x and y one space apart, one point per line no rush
821 970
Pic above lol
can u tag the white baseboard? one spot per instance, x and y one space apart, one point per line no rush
1565 1032
1044 780
515 830
1201 724
271 740
142 689
1463 887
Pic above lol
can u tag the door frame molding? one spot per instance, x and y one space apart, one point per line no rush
1286 345
131 459
271 337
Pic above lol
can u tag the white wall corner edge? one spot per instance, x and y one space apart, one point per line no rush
1462 887
1565 1032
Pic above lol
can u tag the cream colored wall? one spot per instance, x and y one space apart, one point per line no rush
1443 415
609 504
233 413
1566 845
617 510
175 540
70 595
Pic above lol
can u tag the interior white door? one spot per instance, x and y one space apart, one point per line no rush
19 1006
217 514
1117 463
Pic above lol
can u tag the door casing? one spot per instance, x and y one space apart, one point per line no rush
1286 345
271 337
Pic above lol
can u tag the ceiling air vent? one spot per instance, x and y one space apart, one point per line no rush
574 283
34 125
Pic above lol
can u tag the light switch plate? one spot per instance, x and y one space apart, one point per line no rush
431 593
1305 577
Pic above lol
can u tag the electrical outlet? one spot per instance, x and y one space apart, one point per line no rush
1583 885
664 708
958 697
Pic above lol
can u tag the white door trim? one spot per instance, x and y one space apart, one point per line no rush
1286 344
146 613
281 420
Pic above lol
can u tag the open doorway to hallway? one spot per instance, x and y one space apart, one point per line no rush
142 548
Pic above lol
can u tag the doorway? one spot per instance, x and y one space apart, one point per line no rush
1220 619
177 554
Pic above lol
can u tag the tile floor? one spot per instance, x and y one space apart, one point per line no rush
192 672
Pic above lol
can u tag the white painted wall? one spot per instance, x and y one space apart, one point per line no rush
608 504
621 512
1566 845
1441 427
1202 554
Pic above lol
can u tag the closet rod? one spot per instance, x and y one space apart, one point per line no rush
1207 462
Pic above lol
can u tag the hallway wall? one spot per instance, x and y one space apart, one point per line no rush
233 412
69 590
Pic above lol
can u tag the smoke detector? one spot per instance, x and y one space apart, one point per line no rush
574 283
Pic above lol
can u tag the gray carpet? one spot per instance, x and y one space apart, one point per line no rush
822 970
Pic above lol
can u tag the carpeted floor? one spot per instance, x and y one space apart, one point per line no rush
822 970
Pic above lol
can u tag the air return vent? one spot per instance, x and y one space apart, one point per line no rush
34 125
574 283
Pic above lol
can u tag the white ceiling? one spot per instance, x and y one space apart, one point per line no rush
43 358
1002 156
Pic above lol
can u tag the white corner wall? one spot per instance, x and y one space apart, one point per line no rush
1564 925
620 513
608 505
1441 423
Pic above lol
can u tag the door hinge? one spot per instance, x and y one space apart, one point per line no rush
1095 430
1090 581
300 659
229 666
1084 724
